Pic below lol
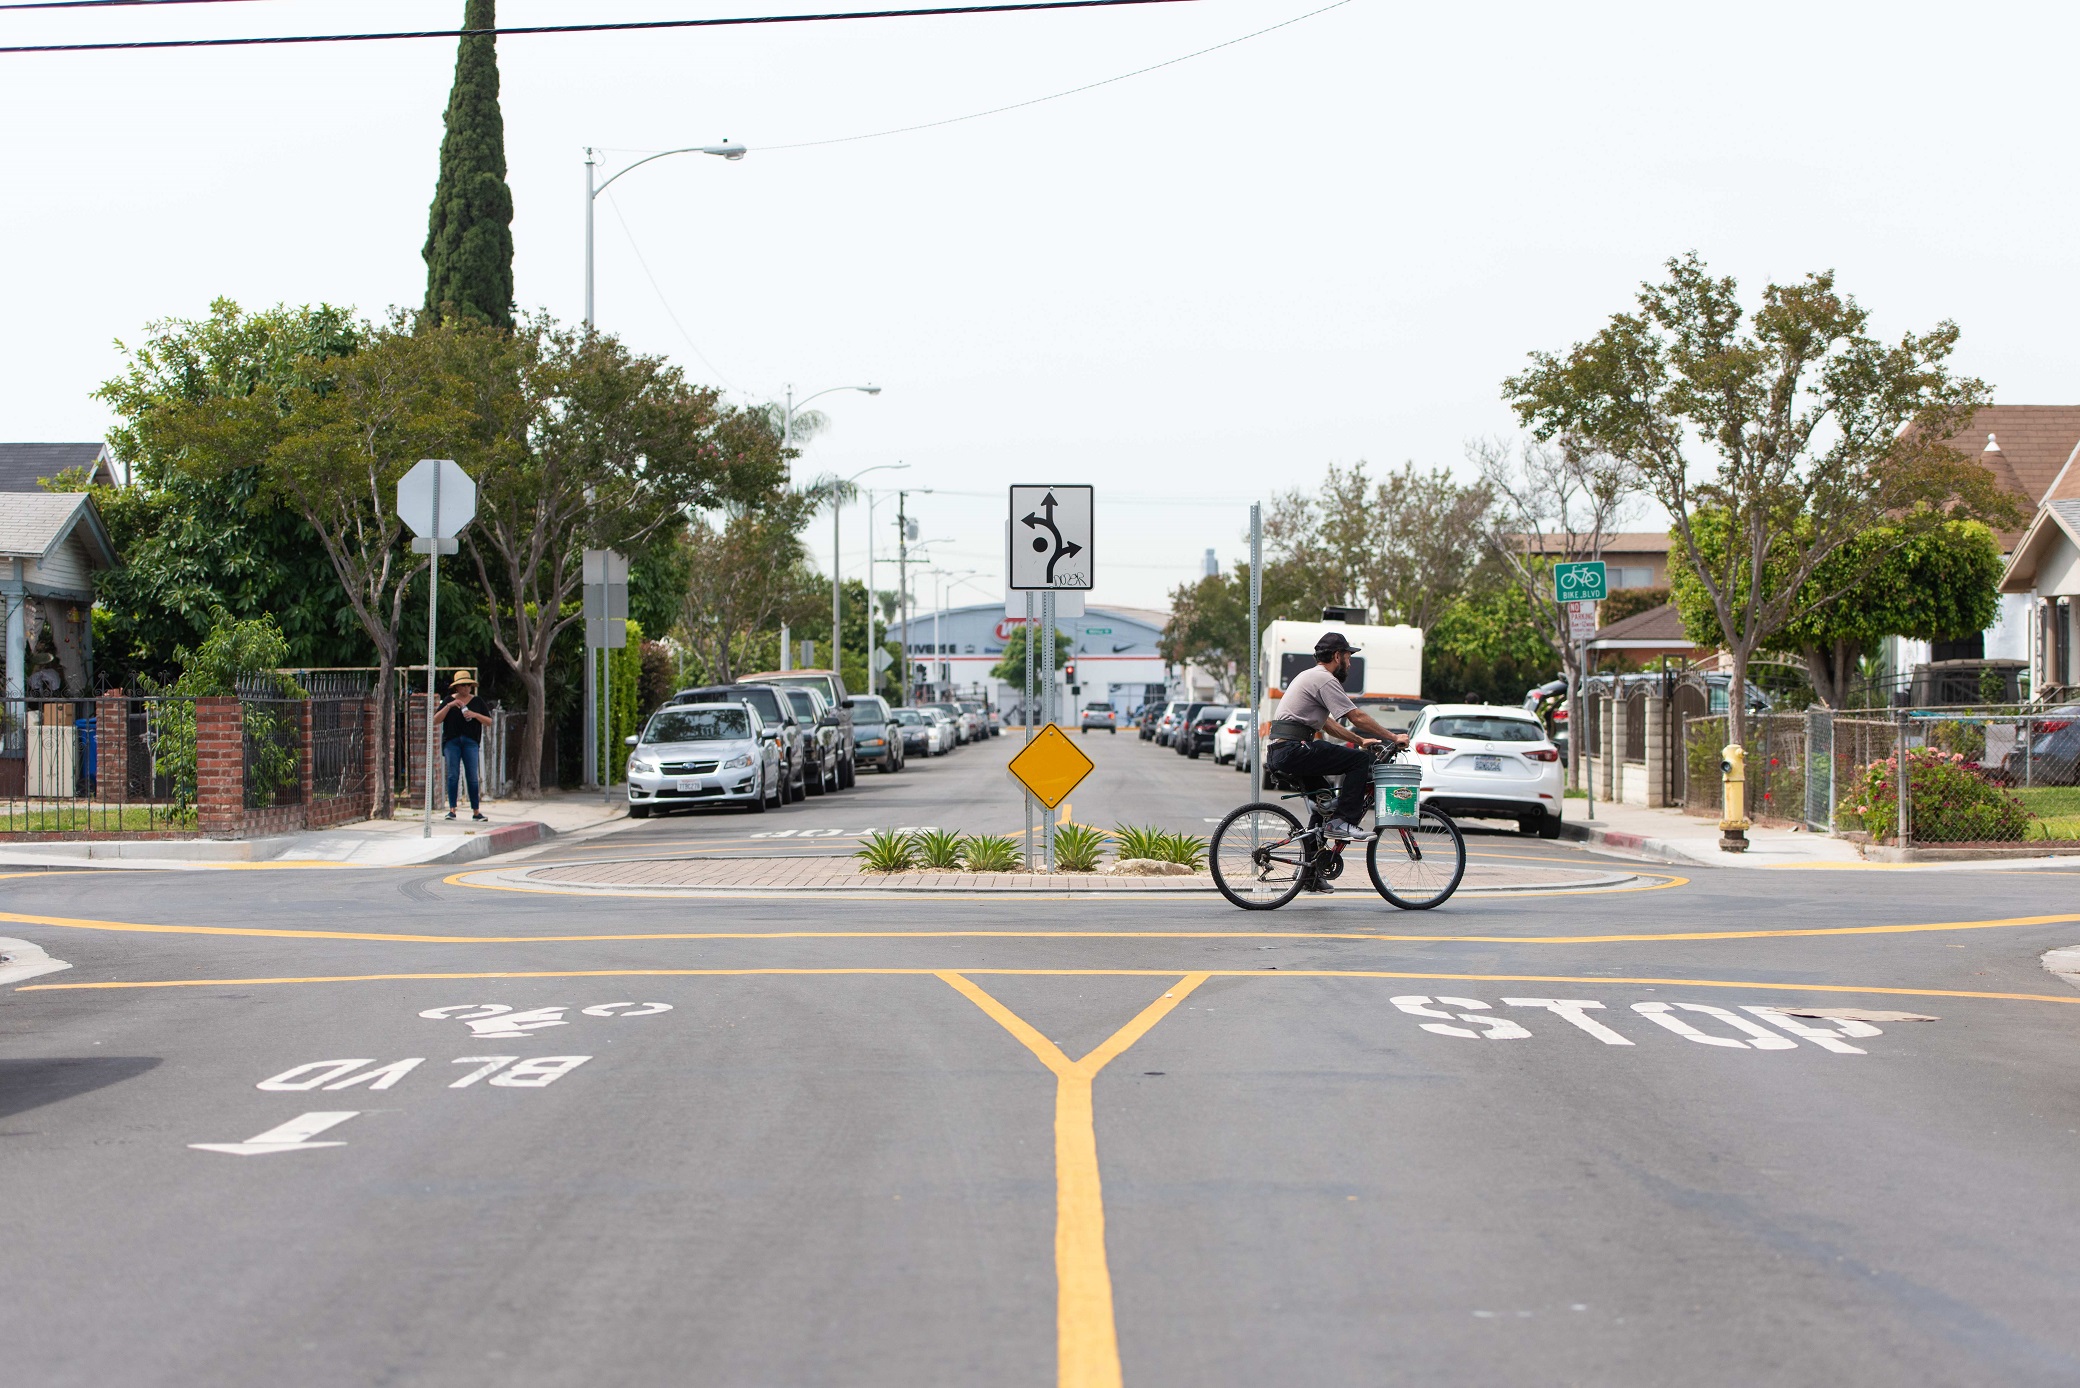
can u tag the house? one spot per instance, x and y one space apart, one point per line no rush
2043 575
1645 636
51 545
1632 558
24 467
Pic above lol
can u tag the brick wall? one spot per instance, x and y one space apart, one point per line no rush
112 746
220 767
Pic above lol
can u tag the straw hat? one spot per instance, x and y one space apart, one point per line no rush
462 677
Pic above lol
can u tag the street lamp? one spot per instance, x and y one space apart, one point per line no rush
838 491
790 410
940 579
725 150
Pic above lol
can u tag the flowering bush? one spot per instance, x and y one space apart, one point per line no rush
1949 801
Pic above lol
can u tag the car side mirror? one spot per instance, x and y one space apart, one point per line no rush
629 741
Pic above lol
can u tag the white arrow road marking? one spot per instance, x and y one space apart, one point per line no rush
289 1137
516 1023
19 960
641 1009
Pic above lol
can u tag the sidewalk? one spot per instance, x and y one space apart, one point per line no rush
1678 837
399 842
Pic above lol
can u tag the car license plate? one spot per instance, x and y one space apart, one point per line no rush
1487 763
687 783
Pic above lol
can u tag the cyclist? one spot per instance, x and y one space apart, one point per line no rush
1316 707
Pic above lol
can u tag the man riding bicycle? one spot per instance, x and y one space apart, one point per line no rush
1316 707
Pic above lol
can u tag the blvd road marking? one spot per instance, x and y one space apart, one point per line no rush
537 1073
291 1136
1086 1337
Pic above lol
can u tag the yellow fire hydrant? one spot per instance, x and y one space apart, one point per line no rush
1733 774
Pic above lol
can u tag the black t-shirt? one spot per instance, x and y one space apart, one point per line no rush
456 728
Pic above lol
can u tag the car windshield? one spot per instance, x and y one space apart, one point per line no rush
971 708
867 711
698 725
1099 708
909 717
1487 728
804 707
764 700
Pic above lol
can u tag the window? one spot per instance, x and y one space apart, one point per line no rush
1632 577
766 702
804 706
698 725
867 713
1487 728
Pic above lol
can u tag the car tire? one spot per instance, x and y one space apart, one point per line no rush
758 798
1549 827
814 785
848 775
638 811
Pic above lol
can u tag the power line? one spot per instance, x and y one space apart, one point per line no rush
101 4
1057 96
615 27
663 302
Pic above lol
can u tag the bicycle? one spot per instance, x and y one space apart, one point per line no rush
1262 858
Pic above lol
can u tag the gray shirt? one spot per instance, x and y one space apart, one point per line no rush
1314 697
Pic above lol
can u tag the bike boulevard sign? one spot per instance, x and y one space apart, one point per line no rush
1579 582
1050 766
1050 538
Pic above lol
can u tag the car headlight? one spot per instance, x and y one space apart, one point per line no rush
740 760
642 766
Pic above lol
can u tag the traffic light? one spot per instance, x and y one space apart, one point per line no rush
1069 671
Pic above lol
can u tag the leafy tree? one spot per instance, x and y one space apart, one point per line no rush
1401 546
1012 668
1629 602
469 229
1931 584
588 445
749 569
232 650
1487 647
1796 423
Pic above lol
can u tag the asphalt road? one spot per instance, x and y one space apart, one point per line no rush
946 1146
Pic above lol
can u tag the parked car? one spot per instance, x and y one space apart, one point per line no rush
780 725
704 753
821 772
831 687
1488 761
996 722
980 716
1228 738
962 727
877 739
1103 716
923 735
2053 754
949 728
1185 720
1195 732
1160 723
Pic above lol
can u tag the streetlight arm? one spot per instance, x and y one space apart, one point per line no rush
731 152
796 408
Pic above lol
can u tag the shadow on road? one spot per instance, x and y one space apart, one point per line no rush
27 1084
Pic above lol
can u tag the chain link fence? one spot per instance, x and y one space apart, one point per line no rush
1951 778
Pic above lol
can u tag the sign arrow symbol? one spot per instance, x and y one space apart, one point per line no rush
291 1136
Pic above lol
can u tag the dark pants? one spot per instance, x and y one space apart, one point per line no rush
461 755
1312 762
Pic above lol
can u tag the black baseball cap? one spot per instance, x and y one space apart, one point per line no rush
1332 643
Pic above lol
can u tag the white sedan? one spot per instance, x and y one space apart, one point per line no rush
1228 737
1488 761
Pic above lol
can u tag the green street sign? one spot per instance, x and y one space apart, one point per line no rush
1579 582
1097 631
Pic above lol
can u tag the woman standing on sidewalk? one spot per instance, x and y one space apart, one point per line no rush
462 733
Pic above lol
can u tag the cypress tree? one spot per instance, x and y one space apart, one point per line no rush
469 231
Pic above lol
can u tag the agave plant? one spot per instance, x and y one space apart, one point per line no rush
1077 848
990 853
1139 841
1188 849
886 850
939 848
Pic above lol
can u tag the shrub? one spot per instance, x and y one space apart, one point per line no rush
990 853
885 850
938 848
1188 849
1949 801
1077 848
1138 841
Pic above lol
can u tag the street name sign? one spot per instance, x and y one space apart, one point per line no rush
1051 537
1050 766
1583 582
416 494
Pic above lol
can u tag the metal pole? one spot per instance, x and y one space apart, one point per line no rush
1047 697
606 717
871 681
837 649
1899 763
1577 746
903 589
589 195
1256 656
1026 718
589 761
433 595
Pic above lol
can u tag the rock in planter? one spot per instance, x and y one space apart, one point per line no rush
1147 867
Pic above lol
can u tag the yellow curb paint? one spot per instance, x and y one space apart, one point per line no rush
1086 1338
2064 999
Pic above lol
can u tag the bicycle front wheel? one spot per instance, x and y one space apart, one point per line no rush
1418 868
1258 857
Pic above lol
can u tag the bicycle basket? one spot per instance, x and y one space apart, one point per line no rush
1394 795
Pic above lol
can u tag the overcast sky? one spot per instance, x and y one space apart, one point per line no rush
1328 243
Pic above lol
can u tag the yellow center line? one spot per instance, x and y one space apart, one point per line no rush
1086 1338
2065 999
380 937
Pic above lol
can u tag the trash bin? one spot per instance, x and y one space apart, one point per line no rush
86 727
1394 795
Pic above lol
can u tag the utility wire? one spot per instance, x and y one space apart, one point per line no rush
615 27
661 299
100 4
1057 96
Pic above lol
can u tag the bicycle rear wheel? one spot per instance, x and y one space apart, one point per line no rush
1258 858
1418 868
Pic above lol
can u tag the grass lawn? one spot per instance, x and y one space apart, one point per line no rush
2056 809
86 816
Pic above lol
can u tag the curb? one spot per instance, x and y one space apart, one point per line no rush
504 839
1629 843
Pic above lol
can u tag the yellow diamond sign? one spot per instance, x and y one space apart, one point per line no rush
1050 766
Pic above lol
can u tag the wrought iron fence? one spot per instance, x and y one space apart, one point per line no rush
273 752
97 766
338 765
1635 749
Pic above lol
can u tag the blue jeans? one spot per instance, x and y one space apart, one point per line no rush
461 754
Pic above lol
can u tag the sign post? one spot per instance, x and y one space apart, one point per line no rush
1579 587
434 526
606 629
1050 541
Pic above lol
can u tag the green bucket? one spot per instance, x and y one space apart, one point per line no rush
1394 796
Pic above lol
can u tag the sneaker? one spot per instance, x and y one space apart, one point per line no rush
481 818
1320 888
1339 829
451 814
